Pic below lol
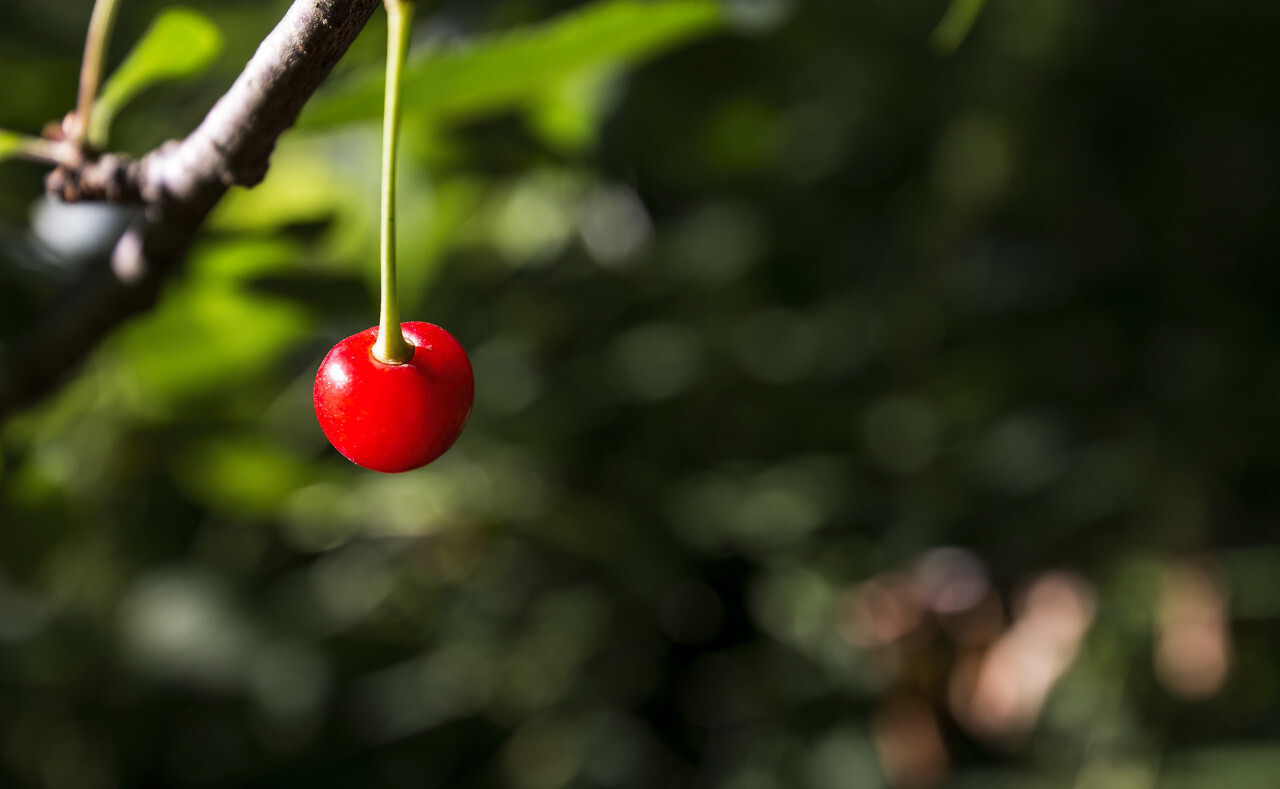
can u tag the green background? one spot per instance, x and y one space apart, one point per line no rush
761 314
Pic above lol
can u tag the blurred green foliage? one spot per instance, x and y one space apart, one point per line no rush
491 72
846 416
180 43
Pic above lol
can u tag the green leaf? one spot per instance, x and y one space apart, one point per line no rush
955 25
567 113
180 43
498 71
211 332
241 475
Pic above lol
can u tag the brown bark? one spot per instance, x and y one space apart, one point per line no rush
179 184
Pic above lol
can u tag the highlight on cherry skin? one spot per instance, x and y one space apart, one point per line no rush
395 417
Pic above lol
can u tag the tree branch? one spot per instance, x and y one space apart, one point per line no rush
180 183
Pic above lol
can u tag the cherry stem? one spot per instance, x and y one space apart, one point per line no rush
36 149
391 346
95 53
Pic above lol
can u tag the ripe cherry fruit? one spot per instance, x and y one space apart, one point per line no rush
394 397
395 417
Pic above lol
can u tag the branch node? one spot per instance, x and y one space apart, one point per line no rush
113 178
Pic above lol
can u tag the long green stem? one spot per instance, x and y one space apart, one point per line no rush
391 346
95 53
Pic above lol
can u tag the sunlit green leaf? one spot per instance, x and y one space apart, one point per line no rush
241 474
180 43
329 167
955 25
497 71
567 113
210 331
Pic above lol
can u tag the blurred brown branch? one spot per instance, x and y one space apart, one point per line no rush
179 183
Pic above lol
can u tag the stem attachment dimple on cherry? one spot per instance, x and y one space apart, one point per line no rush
391 346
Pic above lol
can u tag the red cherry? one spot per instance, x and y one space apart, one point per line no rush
395 417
